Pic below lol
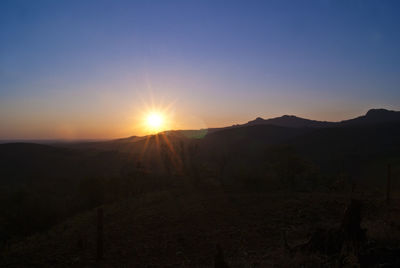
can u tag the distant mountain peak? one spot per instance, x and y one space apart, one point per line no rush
288 121
379 112
258 119
375 116
290 116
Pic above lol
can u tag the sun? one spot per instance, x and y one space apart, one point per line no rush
155 122
154 117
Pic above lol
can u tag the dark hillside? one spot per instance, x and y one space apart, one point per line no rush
342 147
169 198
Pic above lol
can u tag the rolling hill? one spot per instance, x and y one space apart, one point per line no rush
222 179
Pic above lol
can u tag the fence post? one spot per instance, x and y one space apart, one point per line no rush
99 241
388 184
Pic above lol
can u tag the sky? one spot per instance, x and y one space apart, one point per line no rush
93 69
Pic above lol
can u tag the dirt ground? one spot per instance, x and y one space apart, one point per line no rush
181 229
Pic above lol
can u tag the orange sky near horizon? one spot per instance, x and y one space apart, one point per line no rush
111 116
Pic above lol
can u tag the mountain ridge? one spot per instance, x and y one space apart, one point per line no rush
372 116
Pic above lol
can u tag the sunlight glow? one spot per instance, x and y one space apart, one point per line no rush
154 117
155 121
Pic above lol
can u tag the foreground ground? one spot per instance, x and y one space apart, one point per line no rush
182 228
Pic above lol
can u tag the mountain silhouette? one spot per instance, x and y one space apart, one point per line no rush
289 121
374 116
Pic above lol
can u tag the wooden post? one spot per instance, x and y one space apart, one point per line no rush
388 184
99 241
353 188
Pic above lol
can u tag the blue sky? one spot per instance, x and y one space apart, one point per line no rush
87 69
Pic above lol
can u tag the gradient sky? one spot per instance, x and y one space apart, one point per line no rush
89 69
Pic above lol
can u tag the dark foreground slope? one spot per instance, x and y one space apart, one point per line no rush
175 229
